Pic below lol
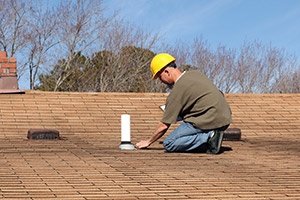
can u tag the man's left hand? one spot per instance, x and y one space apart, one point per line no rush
143 144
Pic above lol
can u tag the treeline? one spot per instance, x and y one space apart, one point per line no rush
104 71
75 46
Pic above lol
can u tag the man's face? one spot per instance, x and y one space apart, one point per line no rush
165 77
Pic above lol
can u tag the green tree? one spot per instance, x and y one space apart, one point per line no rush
105 71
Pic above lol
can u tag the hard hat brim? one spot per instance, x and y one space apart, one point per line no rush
155 76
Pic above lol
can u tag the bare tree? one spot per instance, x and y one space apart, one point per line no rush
40 36
248 67
253 68
12 24
225 73
289 82
122 65
260 66
129 59
79 25
218 65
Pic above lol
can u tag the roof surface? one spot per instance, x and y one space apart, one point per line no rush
88 164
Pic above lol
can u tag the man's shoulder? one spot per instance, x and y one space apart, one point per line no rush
193 75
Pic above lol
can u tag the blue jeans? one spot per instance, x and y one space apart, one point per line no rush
186 138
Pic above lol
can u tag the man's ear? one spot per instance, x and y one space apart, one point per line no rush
167 70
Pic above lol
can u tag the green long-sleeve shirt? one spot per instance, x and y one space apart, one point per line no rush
196 99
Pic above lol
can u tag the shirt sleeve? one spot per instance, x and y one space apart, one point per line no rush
172 110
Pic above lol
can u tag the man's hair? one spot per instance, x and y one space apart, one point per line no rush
172 64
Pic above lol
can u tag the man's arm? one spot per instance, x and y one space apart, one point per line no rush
160 131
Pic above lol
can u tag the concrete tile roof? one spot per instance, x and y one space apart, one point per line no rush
87 163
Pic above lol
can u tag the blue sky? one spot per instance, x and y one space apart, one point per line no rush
227 22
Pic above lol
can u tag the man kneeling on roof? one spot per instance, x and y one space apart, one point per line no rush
195 99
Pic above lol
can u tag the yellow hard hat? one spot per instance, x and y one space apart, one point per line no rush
160 61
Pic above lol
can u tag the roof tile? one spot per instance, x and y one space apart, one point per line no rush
87 163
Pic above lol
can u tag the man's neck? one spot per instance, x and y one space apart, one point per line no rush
179 76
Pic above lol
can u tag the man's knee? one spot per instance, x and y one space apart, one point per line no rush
175 145
168 146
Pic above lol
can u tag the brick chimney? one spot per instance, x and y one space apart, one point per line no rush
8 72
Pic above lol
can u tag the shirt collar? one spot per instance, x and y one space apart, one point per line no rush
180 76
